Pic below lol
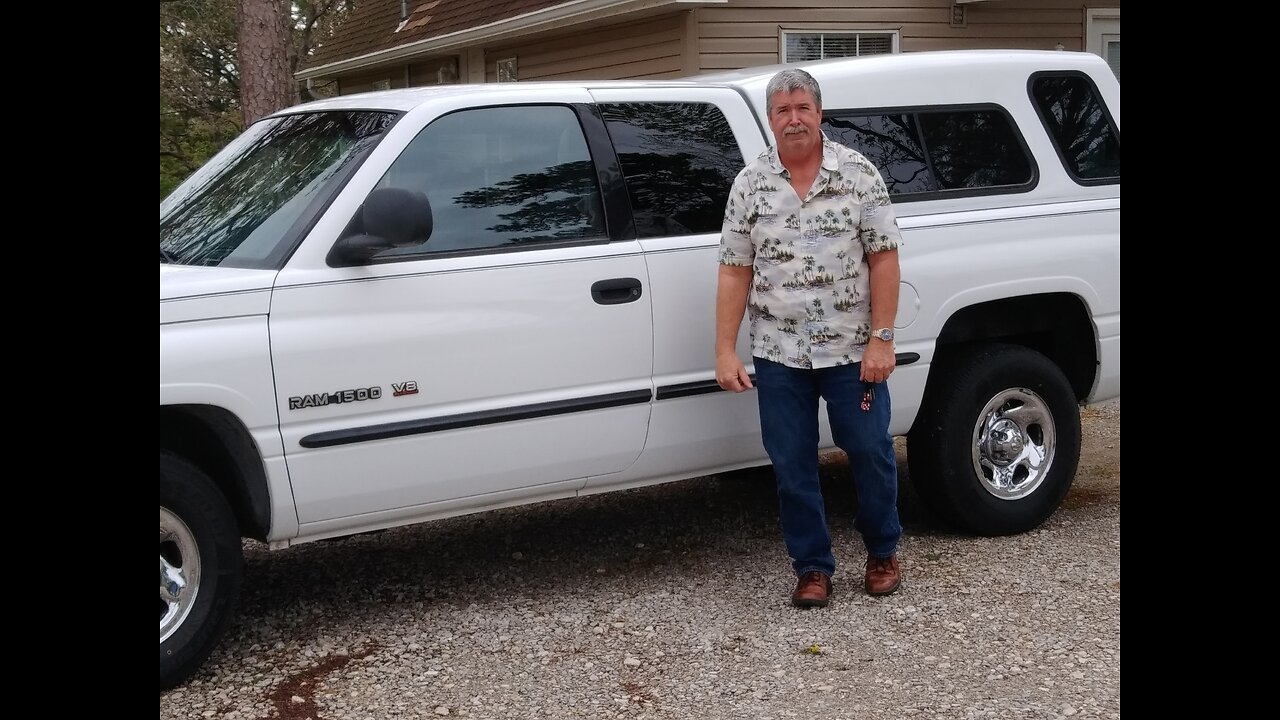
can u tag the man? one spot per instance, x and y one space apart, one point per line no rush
810 247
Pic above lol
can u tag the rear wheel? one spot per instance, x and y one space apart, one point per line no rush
200 567
995 448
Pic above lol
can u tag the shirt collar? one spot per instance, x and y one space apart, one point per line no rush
829 161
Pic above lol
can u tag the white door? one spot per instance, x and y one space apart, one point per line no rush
511 354
680 150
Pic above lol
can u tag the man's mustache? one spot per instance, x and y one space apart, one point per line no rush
795 130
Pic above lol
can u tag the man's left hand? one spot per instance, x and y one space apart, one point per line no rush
878 361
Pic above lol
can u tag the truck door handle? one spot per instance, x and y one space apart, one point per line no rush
616 291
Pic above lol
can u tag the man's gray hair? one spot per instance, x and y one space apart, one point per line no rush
788 81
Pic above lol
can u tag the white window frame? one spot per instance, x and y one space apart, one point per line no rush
1093 35
1093 15
784 31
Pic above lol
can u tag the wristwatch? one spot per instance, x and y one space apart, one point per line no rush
885 334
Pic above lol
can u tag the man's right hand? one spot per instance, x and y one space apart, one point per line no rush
731 374
733 285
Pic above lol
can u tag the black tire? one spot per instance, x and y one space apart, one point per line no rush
996 445
201 564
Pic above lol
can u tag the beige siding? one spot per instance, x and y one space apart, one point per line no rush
744 33
440 70
747 32
650 49
364 82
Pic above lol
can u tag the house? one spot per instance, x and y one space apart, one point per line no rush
405 43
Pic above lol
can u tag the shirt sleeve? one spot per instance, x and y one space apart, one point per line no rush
736 247
878 227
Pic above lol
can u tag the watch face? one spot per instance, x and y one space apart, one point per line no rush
884 334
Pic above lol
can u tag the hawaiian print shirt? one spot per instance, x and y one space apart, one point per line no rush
810 299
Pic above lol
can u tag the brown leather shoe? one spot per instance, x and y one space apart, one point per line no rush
812 590
883 575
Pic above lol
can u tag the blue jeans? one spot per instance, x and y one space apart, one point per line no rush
789 426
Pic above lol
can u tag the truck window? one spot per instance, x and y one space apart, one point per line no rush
502 177
891 143
679 161
242 208
1084 135
930 153
973 149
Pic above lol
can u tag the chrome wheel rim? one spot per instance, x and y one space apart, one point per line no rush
1013 444
179 572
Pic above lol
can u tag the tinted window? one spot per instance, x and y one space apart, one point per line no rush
679 161
503 177
919 152
891 143
1082 132
240 209
974 149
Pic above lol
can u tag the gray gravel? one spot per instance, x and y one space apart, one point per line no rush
671 602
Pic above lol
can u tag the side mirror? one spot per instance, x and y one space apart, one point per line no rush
390 218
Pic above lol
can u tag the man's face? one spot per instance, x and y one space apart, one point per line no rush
794 118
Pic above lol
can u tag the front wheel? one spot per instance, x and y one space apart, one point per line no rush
997 442
200 567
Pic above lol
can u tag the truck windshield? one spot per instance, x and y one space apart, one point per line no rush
239 209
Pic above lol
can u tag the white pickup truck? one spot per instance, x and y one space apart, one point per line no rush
388 308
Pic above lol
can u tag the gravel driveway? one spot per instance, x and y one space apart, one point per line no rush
672 602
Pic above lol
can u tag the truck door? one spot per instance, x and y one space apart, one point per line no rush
680 150
509 357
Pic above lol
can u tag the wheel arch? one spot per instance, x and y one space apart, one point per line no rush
1057 325
216 441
